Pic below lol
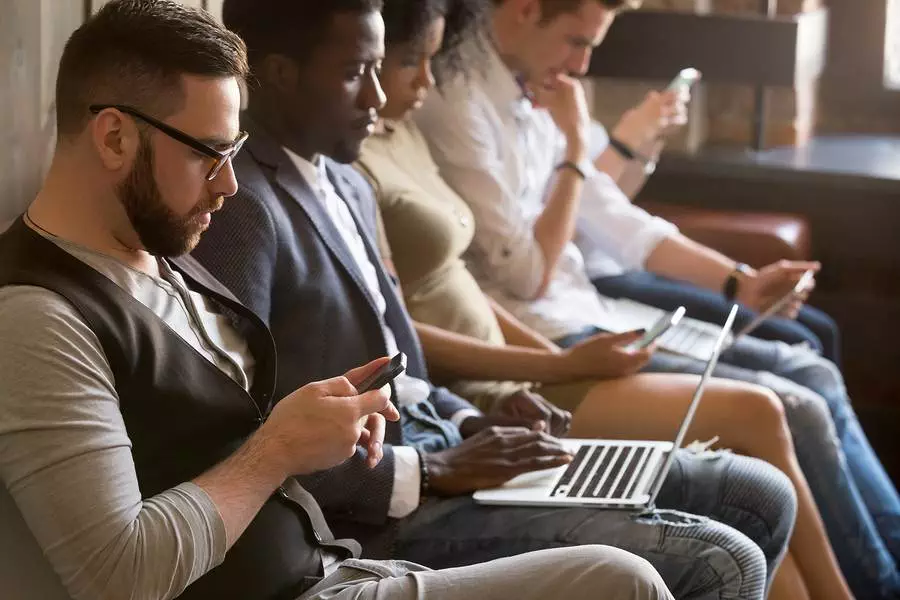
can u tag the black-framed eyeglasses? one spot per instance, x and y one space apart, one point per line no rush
220 157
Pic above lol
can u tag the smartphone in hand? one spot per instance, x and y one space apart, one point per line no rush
776 307
384 375
664 324
685 78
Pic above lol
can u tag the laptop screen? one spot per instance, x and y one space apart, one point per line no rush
695 402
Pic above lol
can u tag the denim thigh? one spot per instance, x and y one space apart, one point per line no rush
697 556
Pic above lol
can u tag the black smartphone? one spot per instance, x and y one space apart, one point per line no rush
384 375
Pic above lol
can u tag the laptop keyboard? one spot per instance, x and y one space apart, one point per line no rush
608 471
688 339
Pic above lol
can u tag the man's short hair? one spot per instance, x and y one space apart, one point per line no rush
135 52
293 28
550 9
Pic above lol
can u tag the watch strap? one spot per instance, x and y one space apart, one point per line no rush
568 164
730 289
623 149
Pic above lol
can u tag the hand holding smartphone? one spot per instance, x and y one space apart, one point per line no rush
686 78
384 375
776 307
664 324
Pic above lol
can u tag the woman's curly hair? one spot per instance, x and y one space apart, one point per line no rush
408 20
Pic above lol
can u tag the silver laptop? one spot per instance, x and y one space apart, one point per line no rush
606 473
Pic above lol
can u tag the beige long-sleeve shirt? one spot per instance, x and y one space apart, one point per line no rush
70 490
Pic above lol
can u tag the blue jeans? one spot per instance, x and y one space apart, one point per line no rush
859 504
749 510
812 326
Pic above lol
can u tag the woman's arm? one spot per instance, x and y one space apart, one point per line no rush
518 333
464 357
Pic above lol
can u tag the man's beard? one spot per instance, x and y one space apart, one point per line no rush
160 230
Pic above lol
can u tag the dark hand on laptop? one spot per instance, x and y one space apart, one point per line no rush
761 288
606 356
522 409
492 457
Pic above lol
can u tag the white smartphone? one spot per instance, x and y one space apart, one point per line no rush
664 324
685 78
802 286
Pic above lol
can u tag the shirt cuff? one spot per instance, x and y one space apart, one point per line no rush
405 496
461 415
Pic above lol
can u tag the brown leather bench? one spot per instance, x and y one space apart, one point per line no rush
757 239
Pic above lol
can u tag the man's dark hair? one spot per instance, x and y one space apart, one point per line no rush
407 21
135 52
550 9
293 28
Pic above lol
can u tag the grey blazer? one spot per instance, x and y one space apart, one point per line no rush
275 247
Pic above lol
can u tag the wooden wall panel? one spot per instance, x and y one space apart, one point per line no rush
32 36
215 7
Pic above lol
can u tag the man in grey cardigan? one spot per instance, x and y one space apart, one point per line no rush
296 247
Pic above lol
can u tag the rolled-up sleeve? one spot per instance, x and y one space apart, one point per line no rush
470 151
65 459
626 233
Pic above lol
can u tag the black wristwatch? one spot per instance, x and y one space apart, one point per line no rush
628 153
730 289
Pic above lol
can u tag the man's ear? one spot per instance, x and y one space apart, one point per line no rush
279 72
528 11
115 138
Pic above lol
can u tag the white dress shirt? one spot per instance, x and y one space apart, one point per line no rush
500 154
407 477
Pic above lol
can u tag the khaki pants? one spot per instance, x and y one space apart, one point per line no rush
576 573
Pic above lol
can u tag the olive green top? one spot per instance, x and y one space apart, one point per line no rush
428 229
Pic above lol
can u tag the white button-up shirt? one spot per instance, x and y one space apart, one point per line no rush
407 477
500 154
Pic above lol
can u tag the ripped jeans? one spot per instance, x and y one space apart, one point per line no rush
722 526
858 502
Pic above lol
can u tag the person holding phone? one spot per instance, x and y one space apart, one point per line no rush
515 168
625 251
470 342
299 248
142 451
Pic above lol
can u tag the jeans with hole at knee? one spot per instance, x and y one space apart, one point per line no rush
859 503
747 506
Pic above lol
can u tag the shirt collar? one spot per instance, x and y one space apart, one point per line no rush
313 172
503 86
